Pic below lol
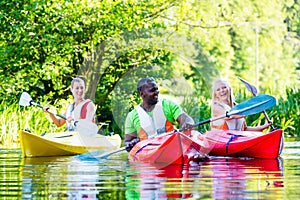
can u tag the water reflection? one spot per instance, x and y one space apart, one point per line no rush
116 178
156 181
59 177
219 178
243 178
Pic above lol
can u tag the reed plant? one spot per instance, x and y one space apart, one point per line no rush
286 113
15 118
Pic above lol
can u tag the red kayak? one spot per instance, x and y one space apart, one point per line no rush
244 143
177 148
170 148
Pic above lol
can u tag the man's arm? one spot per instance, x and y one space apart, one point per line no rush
185 121
131 136
174 112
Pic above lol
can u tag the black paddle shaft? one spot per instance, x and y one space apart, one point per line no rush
38 105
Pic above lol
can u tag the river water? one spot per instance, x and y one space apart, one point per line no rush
76 177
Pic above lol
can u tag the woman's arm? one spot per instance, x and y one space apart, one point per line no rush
57 121
258 128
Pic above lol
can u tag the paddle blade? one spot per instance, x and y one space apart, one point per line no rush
250 87
254 105
86 128
25 99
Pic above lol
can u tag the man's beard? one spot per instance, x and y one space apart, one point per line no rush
152 102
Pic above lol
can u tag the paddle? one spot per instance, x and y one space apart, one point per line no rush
26 100
98 154
110 153
249 107
84 127
253 90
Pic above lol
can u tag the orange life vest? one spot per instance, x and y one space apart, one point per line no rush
232 124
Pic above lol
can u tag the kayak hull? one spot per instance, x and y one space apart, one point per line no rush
173 148
65 144
245 143
177 148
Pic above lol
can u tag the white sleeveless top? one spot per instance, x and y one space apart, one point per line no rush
154 125
75 113
232 124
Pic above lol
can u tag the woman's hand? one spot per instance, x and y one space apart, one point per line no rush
266 125
70 119
46 108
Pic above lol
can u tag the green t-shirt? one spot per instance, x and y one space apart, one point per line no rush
170 108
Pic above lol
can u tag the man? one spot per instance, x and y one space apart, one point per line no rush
153 116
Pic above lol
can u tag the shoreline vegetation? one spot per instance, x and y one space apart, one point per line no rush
285 115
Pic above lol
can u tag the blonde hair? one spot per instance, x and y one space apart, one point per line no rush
77 80
231 98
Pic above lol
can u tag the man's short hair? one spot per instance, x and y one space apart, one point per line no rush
143 82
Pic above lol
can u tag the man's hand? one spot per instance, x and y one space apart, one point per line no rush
186 122
130 144
187 126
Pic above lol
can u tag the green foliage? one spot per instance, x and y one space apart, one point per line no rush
183 44
286 114
45 43
242 38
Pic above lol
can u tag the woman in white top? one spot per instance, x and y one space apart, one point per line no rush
81 108
222 101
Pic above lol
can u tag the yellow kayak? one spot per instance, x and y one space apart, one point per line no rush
65 143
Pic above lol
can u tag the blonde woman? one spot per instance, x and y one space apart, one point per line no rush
222 101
